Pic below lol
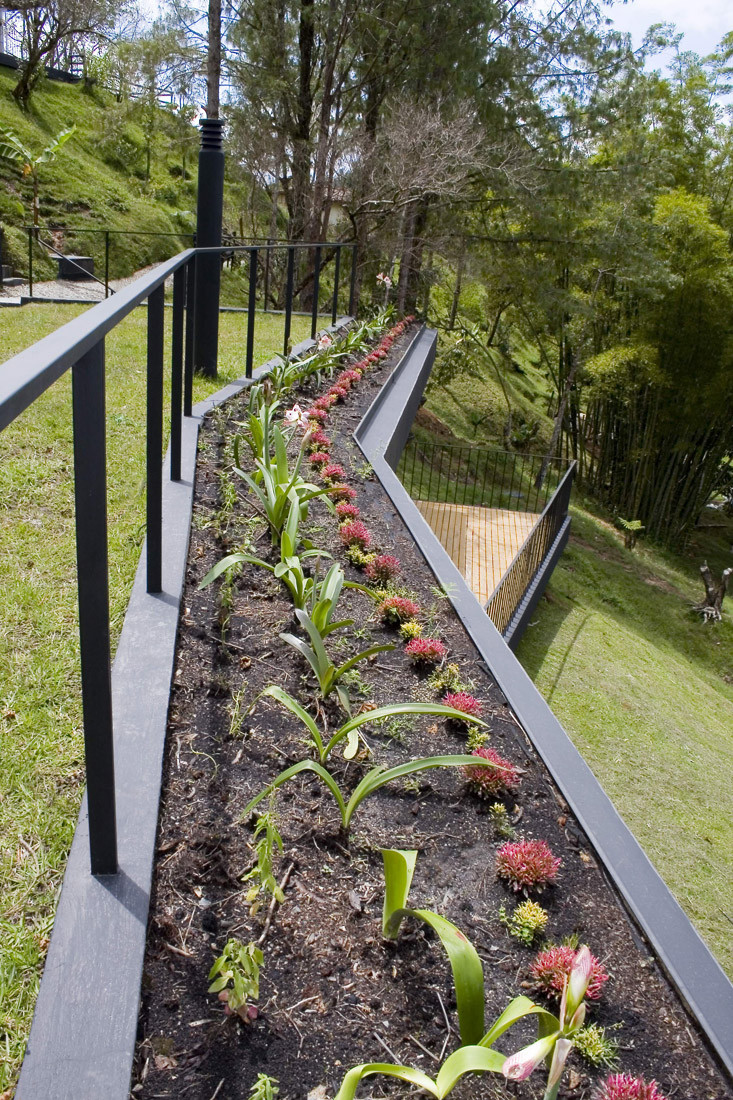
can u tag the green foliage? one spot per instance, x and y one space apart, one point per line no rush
468 973
526 922
374 779
349 731
267 842
500 822
264 1088
595 1046
326 672
236 972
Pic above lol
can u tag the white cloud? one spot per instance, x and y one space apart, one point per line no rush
703 22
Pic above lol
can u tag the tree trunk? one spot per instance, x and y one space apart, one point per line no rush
711 609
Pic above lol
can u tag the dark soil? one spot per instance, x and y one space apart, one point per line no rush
332 993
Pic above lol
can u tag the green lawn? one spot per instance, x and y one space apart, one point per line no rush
645 690
41 778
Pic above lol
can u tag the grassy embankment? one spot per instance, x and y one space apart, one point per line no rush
642 686
40 719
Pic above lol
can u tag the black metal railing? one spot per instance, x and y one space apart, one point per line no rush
460 473
79 346
508 595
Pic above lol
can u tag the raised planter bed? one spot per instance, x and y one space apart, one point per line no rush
332 994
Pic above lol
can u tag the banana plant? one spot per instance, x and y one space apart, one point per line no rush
374 779
468 973
327 673
349 731
477 1058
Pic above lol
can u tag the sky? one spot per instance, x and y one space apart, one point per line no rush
703 22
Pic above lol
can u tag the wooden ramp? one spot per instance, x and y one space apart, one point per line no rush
481 541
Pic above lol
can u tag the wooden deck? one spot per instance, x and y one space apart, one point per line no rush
480 541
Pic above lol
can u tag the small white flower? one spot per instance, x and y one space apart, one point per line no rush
295 416
384 280
324 342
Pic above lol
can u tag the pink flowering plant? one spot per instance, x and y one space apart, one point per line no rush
502 778
466 703
425 651
551 968
342 492
383 569
346 512
622 1086
355 534
527 864
397 609
333 472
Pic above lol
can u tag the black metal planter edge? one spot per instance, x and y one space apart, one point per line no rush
699 980
84 1030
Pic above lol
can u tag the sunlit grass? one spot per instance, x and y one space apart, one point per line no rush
645 690
41 777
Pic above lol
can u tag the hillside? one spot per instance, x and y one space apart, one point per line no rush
99 178
642 686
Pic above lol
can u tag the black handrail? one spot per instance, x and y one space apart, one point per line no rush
79 346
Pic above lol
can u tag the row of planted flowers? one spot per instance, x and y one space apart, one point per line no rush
568 975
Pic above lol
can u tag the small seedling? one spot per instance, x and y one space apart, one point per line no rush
265 1088
476 739
267 842
235 976
446 679
237 712
500 822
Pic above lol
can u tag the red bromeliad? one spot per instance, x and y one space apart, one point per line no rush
490 782
622 1086
355 534
461 700
396 609
383 569
346 512
425 651
552 967
527 863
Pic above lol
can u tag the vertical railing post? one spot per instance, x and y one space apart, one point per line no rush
266 291
156 305
289 299
90 489
190 322
251 312
316 288
352 283
106 263
337 269
30 262
179 290
2 232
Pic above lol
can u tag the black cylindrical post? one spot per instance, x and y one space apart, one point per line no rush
106 263
337 269
316 287
251 312
1 255
266 290
188 357
208 235
289 300
179 289
90 489
156 306
352 285
30 262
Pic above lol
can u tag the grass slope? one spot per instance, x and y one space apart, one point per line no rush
97 180
42 772
645 690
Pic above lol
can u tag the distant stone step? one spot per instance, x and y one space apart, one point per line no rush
12 280
75 267
7 271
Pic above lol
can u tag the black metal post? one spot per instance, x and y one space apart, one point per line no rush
289 300
251 312
316 287
352 285
267 275
2 232
190 326
208 235
337 269
156 306
90 489
179 289
30 262
106 263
